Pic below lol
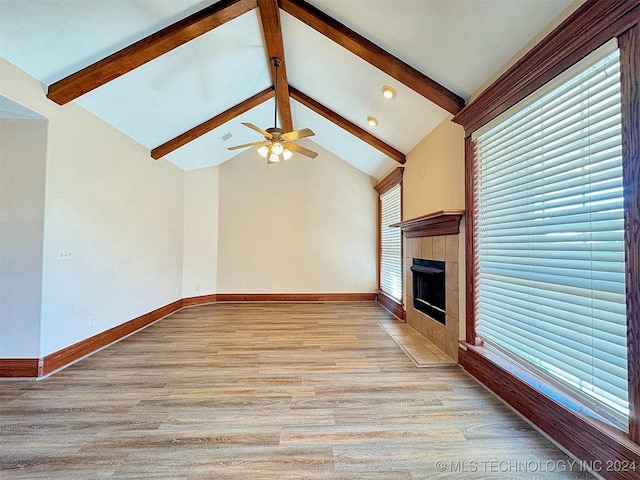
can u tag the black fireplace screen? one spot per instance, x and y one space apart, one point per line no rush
429 288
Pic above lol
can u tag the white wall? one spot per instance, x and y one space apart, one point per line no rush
116 209
23 146
303 226
200 256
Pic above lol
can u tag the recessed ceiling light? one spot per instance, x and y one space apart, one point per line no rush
372 121
388 92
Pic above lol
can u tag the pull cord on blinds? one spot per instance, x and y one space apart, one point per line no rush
550 235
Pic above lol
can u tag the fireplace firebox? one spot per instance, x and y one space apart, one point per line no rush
429 288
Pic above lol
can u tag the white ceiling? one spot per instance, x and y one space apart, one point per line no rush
458 43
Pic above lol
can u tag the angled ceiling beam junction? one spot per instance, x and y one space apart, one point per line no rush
212 123
147 49
270 17
373 54
352 128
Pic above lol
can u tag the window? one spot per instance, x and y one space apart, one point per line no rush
391 243
549 235
390 238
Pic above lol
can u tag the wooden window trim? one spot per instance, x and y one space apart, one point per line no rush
590 26
392 179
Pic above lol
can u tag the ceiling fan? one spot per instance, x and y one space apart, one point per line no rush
278 144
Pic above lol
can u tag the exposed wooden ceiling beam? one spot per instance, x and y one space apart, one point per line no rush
352 128
209 125
373 54
270 17
147 49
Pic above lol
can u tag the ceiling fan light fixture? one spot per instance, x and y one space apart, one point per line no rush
388 92
263 151
277 148
277 143
372 121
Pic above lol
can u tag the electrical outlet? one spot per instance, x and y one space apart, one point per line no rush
65 254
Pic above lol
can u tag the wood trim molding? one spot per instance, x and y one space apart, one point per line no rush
78 350
597 444
19 367
443 222
212 123
379 241
350 127
391 180
470 242
270 18
391 304
147 49
278 297
199 300
629 44
295 297
591 25
373 54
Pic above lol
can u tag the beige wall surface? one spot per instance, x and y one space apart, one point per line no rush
302 226
433 177
23 149
433 180
118 211
200 256
143 233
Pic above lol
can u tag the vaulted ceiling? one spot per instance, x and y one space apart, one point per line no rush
179 76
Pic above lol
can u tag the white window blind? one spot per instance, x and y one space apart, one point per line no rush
550 235
391 243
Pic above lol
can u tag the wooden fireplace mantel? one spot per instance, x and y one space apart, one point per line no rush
443 222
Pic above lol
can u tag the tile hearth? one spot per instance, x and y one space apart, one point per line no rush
422 352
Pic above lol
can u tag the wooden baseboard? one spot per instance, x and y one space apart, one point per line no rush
33 367
200 300
295 297
89 345
19 367
595 443
391 304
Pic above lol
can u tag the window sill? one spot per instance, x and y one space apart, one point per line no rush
570 425
391 304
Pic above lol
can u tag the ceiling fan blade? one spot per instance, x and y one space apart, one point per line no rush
245 145
297 148
262 132
296 134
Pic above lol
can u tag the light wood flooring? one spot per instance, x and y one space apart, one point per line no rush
264 391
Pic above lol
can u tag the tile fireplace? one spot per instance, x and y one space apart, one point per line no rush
432 244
